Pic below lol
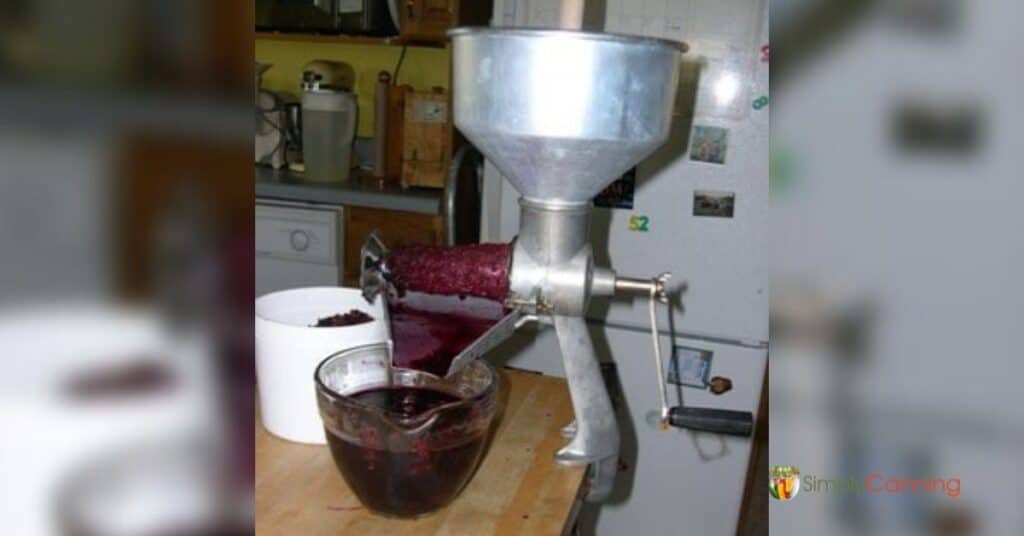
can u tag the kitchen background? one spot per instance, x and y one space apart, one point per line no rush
80 85
420 186
423 68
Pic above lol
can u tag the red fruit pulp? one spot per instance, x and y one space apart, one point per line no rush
351 318
464 270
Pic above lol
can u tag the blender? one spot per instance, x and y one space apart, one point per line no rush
329 119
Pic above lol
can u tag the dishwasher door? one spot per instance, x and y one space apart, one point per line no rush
297 246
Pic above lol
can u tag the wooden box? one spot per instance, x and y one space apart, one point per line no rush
426 139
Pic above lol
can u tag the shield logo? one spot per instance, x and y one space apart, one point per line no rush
784 482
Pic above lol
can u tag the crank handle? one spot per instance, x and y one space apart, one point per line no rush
717 421
605 282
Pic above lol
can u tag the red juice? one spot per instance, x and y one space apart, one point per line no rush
406 483
428 340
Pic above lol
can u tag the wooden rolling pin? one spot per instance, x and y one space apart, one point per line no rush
571 15
380 112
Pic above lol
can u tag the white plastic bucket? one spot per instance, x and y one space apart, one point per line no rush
288 351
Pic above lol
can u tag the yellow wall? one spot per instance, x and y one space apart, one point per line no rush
423 68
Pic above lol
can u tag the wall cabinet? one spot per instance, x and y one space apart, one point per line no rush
430 20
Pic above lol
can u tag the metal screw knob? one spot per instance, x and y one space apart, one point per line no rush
660 282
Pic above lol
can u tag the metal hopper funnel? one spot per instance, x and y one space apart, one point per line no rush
563 113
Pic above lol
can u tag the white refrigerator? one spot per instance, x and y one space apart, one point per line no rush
699 209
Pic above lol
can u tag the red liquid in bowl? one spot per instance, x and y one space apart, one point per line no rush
406 483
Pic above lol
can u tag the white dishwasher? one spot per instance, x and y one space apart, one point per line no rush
297 245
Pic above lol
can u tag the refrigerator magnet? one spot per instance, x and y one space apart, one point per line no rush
709 144
713 203
689 367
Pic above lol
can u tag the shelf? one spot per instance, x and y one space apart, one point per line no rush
345 39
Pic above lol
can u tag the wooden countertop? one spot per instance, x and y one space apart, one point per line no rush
518 488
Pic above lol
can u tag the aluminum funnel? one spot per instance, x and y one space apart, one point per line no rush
563 113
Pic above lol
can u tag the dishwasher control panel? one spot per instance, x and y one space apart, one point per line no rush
310 235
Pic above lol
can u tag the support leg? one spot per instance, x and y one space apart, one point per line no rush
596 440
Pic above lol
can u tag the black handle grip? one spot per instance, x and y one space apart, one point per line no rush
718 421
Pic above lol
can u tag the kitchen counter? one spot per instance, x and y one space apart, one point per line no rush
286 185
518 488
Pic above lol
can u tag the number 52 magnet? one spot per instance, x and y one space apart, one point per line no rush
639 223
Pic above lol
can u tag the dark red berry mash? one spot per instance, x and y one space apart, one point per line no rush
351 318
464 270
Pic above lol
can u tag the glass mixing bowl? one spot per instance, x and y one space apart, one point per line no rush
405 441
